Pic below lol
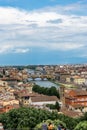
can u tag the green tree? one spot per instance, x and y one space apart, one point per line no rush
54 122
54 106
57 106
70 122
29 117
81 126
52 91
84 117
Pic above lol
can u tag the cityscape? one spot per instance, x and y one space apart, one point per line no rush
43 64
61 89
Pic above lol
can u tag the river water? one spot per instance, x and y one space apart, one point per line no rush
46 84
42 83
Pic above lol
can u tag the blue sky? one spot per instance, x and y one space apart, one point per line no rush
43 32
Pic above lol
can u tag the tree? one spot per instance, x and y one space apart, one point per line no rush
57 106
70 122
54 122
52 91
28 118
54 106
81 126
84 117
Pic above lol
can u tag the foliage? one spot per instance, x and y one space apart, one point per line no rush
52 91
81 126
70 122
54 106
23 118
57 106
27 118
84 117
33 67
54 122
51 106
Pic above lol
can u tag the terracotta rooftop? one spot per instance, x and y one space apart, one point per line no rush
43 98
74 93
71 113
77 105
81 92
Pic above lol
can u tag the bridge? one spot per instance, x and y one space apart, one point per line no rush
42 77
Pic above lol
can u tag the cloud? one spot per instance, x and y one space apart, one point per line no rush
83 56
78 8
20 50
5 48
66 46
50 28
8 48
55 21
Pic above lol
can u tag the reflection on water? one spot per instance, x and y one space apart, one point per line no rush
40 82
43 83
37 79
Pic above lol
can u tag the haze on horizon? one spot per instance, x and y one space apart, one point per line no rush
44 32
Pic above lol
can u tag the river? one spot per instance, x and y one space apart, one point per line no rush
42 83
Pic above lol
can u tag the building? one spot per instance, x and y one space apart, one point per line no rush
70 113
76 100
8 102
34 99
79 80
41 100
27 86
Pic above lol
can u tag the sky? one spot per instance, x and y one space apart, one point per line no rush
34 32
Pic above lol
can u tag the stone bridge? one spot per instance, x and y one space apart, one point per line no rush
33 76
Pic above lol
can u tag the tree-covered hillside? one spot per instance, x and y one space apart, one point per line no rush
29 118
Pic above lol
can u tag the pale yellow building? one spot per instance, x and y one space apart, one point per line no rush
79 80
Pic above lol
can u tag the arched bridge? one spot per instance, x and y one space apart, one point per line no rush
34 76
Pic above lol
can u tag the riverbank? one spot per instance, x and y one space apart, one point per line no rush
63 84
45 83
67 85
